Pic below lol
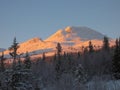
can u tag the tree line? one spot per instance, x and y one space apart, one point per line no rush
72 69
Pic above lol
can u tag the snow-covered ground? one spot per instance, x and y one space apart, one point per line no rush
92 85
102 84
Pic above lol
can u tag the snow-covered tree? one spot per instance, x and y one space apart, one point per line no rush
22 76
80 74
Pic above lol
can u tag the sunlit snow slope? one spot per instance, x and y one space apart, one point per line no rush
75 34
69 36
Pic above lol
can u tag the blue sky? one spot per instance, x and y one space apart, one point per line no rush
26 19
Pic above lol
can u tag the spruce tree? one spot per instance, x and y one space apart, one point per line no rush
43 56
64 55
13 51
106 46
59 49
22 75
70 63
91 48
58 61
27 61
2 62
80 76
78 54
119 44
18 78
19 63
116 60
54 57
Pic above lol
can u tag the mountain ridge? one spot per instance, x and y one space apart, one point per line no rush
69 36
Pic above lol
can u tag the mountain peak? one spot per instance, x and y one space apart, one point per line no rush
34 40
72 33
68 29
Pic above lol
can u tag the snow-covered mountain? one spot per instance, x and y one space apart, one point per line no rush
75 34
33 44
69 36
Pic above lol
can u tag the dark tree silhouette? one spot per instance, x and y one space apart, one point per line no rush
2 62
116 60
59 49
27 61
91 48
13 51
58 61
43 56
106 43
